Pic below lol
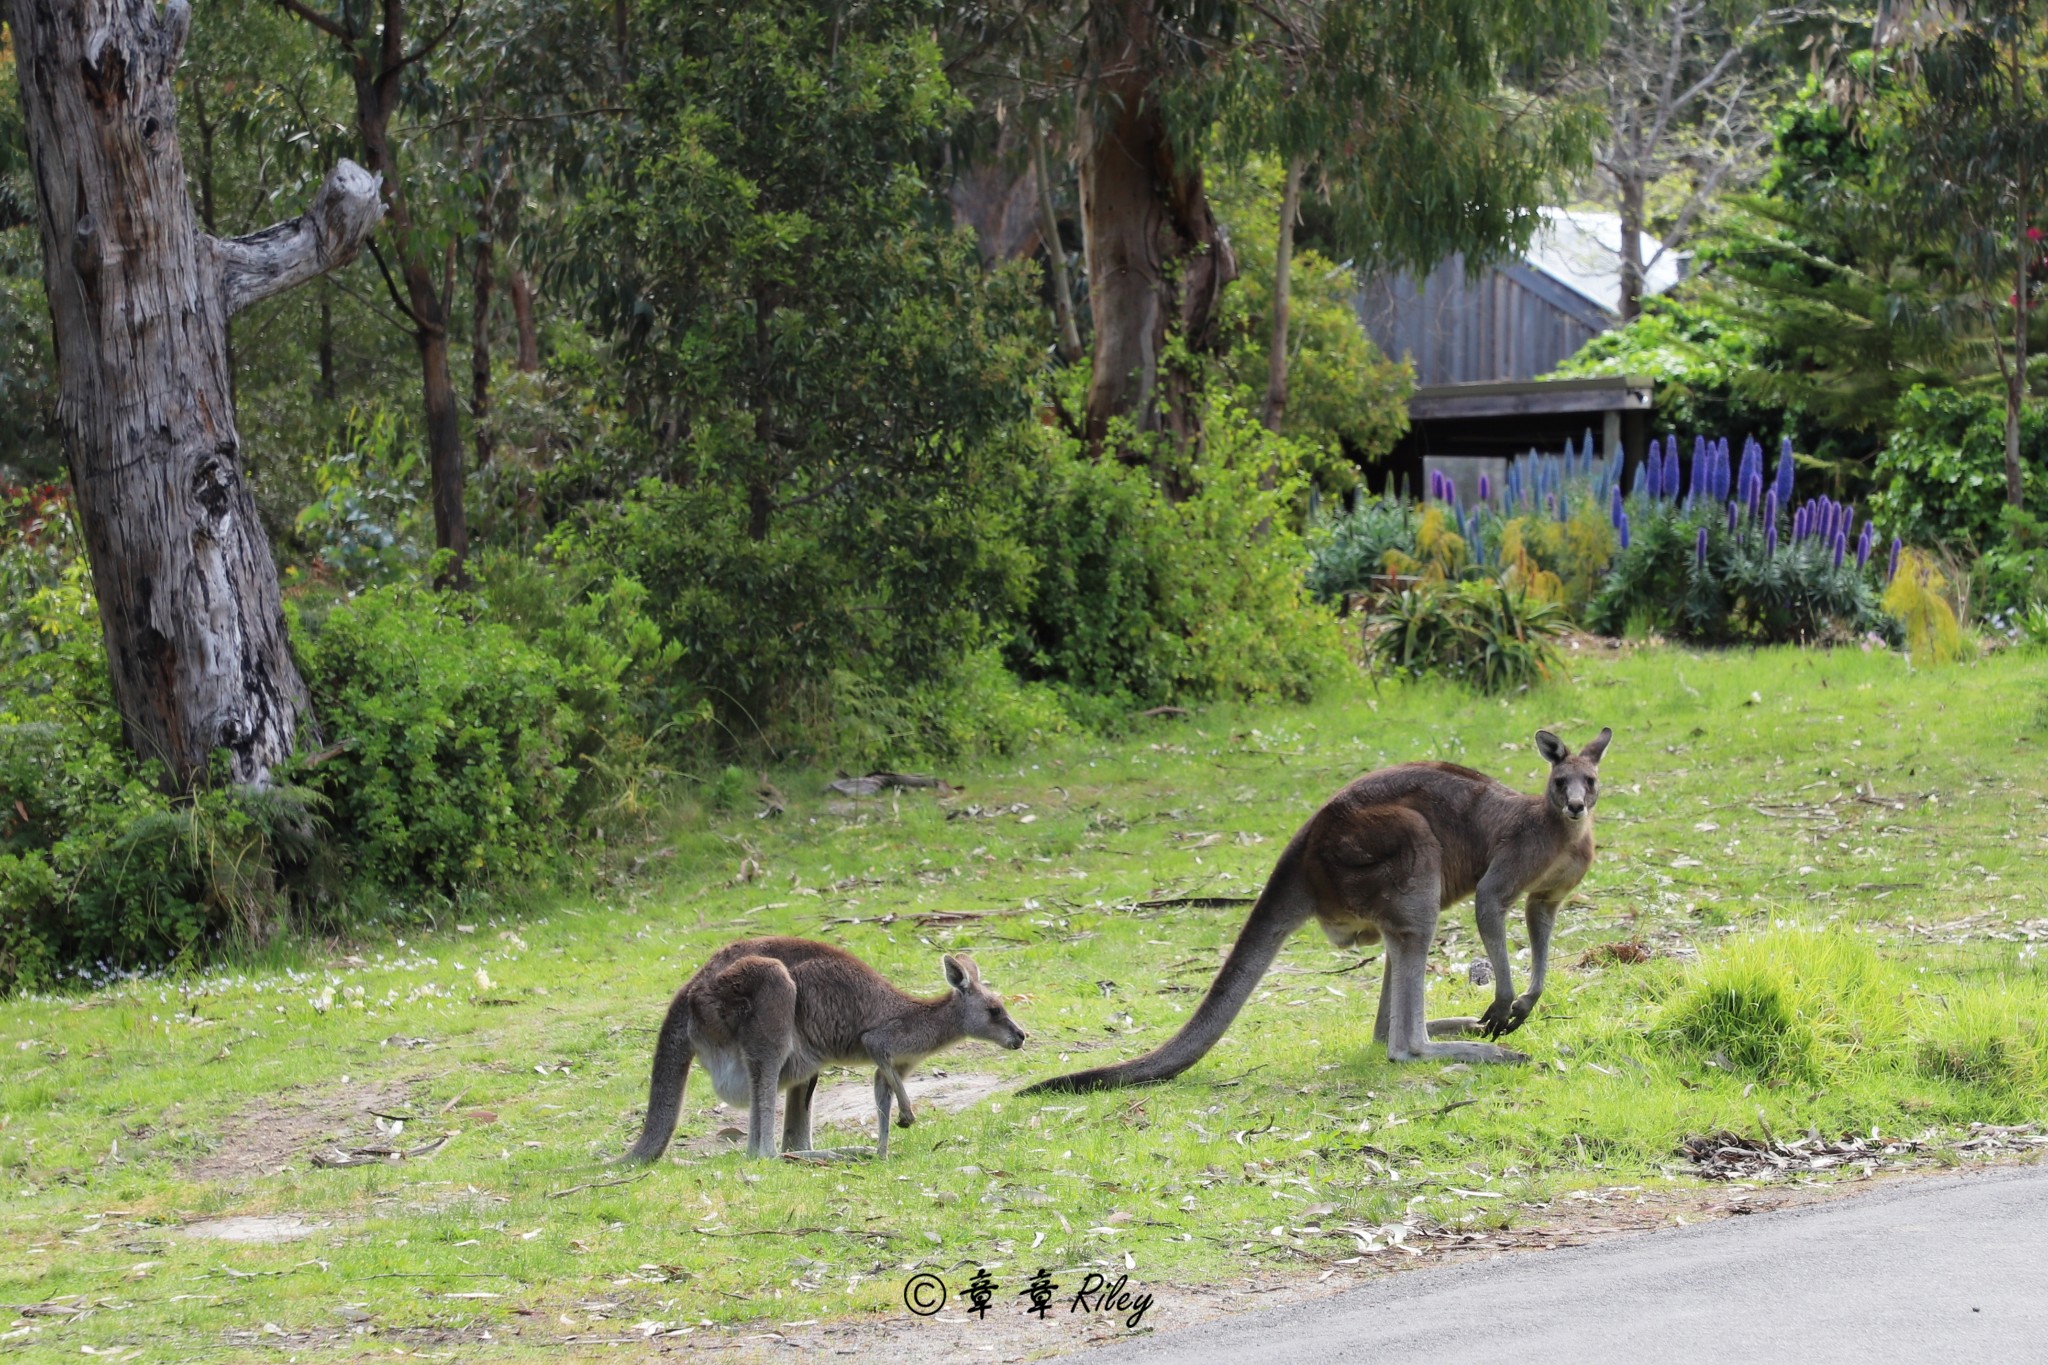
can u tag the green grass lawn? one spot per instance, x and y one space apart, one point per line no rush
1836 866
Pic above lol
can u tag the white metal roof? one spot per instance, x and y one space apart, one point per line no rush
1581 249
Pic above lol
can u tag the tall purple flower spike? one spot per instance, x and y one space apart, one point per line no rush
1841 545
1614 508
1485 489
1731 518
1892 569
1624 530
1771 522
1699 548
1785 472
1863 546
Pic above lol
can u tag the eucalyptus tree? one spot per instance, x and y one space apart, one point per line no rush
1970 166
1407 114
387 66
139 298
1422 130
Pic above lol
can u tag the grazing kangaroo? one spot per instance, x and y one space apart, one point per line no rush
767 1014
1380 862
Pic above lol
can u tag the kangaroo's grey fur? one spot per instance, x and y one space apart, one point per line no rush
767 1014
1380 862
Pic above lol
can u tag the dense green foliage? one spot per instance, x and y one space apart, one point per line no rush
1140 597
1941 474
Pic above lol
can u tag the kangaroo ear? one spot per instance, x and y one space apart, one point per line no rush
959 970
1551 747
1598 746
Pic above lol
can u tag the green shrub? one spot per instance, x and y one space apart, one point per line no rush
2012 573
1141 597
453 739
1744 591
1348 550
1941 474
1475 632
100 869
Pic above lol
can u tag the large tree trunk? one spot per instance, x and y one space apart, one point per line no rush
139 300
1156 260
1631 247
1055 254
1283 293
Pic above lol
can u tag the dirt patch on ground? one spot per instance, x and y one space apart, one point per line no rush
258 1229
276 1130
843 1110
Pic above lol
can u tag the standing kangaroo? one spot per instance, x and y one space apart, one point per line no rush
1380 862
767 1014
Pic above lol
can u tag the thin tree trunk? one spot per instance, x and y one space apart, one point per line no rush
1055 254
1156 259
447 469
482 276
761 487
139 301
1283 270
1631 247
324 348
2016 388
521 290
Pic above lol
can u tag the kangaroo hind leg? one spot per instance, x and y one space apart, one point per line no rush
1409 1031
796 1116
756 1001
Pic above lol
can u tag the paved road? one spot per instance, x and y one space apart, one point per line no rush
1951 1268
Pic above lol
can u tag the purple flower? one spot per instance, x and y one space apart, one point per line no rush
1485 489
1892 570
1863 546
1785 472
1770 538
1841 544
1771 521
1624 530
1699 548
1614 508
1731 518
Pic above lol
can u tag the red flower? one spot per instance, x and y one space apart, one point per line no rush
2035 234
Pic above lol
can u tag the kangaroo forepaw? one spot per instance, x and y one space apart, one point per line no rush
1503 1019
905 1119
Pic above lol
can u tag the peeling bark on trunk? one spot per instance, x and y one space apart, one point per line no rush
139 300
1283 290
521 290
1156 259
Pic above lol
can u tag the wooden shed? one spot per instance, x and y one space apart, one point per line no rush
1480 345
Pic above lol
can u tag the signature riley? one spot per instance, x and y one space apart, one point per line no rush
1110 1296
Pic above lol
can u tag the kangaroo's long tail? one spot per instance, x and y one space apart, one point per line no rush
1282 907
665 1089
